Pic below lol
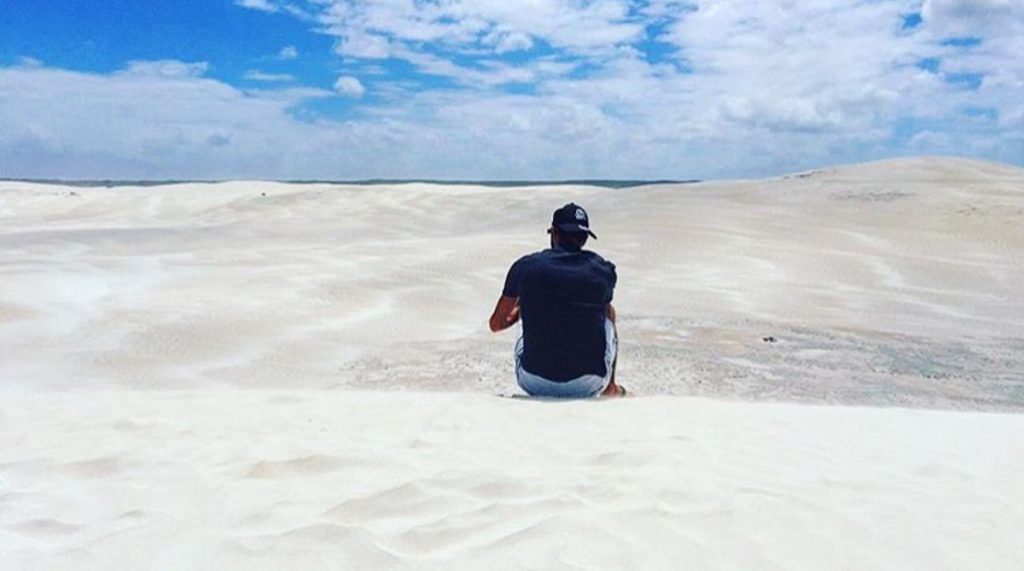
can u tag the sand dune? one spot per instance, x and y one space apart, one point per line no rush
133 321
902 273
272 480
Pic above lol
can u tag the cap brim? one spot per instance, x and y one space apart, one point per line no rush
576 229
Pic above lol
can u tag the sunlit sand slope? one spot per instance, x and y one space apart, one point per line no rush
886 283
327 480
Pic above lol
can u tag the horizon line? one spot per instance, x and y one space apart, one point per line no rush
606 183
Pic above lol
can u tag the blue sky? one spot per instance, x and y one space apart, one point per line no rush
502 89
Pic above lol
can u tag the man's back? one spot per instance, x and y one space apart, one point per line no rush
563 296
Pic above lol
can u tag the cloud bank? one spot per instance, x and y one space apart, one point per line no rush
550 89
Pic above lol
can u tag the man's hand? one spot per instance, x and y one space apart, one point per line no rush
506 313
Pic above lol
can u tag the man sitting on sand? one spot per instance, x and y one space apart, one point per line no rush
569 344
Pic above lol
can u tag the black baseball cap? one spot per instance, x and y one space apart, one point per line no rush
572 218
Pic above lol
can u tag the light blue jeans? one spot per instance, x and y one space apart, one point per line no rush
585 386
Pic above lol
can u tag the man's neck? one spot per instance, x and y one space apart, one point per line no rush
567 247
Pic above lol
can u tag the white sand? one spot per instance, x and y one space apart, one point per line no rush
353 480
135 322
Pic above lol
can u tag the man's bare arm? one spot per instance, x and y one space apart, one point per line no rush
506 313
609 311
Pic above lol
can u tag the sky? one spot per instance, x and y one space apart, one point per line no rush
502 89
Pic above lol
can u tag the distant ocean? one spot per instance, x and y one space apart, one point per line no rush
369 182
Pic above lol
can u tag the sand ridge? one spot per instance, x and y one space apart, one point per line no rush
895 272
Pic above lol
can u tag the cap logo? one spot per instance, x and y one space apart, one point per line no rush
580 215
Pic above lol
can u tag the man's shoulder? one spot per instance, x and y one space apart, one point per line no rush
550 257
600 260
531 257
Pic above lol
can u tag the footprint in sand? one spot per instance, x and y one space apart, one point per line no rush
312 465
44 528
412 501
102 467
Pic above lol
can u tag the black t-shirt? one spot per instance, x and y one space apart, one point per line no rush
562 295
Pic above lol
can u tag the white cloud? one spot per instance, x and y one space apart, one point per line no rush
166 68
257 75
135 123
799 67
930 143
288 53
348 85
261 5
365 28
967 17
363 45
508 42
26 61
487 73
829 78
553 89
